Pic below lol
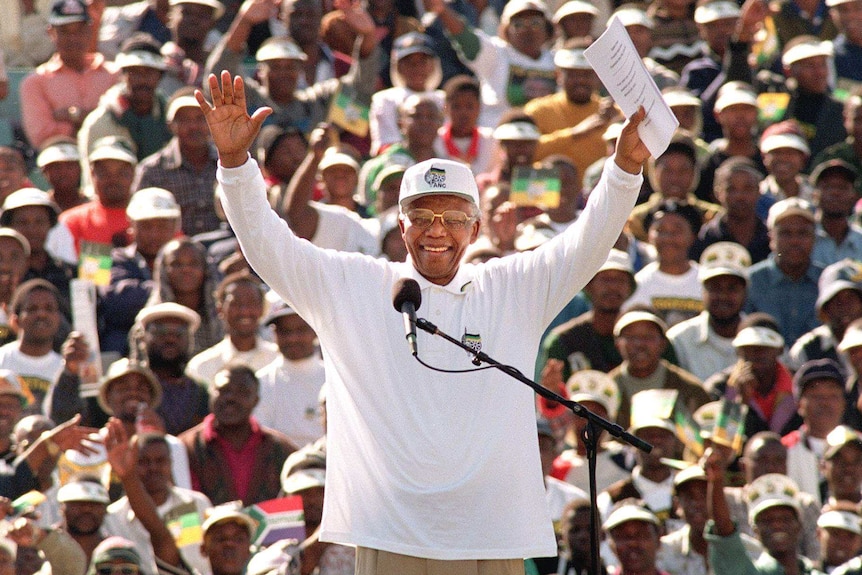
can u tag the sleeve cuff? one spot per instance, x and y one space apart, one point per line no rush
231 176
620 176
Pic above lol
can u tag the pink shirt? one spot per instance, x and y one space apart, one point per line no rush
55 86
240 461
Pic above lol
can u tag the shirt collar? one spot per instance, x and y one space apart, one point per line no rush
55 64
460 284
702 323
211 434
643 484
776 276
685 541
173 157
851 239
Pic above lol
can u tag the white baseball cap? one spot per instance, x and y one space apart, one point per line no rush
789 207
218 7
58 152
152 203
778 141
179 103
18 237
852 337
595 386
83 491
228 513
713 11
141 58
757 335
303 479
771 490
438 176
680 97
805 50
571 59
112 148
515 7
517 131
618 260
636 316
838 519
632 16
732 97
168 309
279 48
630 512
724 259
28 197
573 7
332 157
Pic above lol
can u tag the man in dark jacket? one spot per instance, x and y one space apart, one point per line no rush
230 455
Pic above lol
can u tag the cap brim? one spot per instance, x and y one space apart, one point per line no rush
832 289
769 504
63 20
629 513
707 274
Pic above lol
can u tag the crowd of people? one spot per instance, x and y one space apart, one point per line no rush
736 280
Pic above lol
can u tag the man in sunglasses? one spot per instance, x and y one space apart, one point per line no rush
167 331
420 462
115 556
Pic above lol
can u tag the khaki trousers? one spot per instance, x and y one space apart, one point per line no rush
376 562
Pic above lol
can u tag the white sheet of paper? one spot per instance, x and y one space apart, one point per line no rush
616 61
83 296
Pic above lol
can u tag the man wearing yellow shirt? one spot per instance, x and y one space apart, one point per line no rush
573 119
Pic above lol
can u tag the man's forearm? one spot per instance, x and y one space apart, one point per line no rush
719 511
299 193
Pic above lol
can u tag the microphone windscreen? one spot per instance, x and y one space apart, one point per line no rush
406 290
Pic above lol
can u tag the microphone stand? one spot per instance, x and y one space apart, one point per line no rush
595 425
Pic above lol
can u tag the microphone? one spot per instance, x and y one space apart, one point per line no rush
407 297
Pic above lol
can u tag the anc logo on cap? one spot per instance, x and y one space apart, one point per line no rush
771 488
436 177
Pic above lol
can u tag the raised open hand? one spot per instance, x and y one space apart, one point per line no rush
434 6
75 352
552 376
715 461
24 532
631 151
257 11
743 378
320 139
753 14
122 451
356 16
70 435
232 129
